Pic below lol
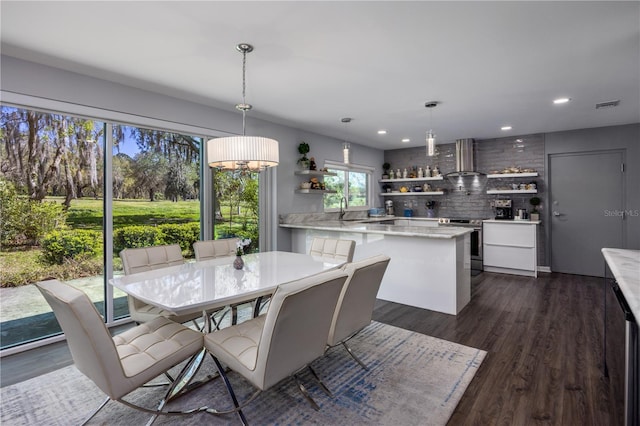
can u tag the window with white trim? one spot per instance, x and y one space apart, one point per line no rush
353 182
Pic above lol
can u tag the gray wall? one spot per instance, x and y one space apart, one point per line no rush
490 154
533 152
472 202
27 78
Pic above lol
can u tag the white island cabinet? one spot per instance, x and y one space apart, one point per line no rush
509 247
430 266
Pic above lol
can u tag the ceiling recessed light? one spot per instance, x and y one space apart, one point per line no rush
506 128
561 100
382 132
405 140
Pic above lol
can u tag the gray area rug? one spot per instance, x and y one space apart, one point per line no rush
413 379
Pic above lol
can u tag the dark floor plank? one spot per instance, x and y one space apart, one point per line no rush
544 342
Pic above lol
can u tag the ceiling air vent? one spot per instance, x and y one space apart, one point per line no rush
607 104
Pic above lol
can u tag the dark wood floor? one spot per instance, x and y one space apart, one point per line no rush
544 342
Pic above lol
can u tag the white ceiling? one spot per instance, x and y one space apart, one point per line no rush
488 64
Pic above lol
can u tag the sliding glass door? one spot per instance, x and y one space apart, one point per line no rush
54 176
51 216
75 191
156 193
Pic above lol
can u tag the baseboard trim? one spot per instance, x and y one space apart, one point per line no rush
546 269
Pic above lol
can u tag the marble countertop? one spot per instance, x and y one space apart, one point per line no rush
519 222
373 228
625 266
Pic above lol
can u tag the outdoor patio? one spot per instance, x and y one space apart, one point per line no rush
25 315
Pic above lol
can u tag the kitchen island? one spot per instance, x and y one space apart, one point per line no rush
430 266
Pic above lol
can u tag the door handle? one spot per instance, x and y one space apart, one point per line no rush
557 213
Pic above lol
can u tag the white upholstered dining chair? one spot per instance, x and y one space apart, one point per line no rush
211 249
356 302
118 365
284 341
333 248
144 259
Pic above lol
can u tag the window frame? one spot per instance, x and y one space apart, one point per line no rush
358 168
267 192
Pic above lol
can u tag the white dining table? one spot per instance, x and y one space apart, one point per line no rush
194 286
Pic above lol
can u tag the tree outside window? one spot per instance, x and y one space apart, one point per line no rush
350 182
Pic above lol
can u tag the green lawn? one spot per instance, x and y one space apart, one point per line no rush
87 213
19 267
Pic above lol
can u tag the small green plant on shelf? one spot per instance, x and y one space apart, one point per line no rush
535 202
304 149
385 167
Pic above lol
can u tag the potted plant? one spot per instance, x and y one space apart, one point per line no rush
385 167
535 202
304 149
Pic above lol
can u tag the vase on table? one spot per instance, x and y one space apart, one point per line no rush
238 263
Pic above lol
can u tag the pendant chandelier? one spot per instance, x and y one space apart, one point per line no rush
246 153
431 137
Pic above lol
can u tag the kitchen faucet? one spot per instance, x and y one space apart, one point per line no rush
342 212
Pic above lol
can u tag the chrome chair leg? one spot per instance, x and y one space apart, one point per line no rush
260 303
257 306
232 394
95 411
305 392
182 383
320 382
354 356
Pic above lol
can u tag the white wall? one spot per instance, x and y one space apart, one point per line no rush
31 79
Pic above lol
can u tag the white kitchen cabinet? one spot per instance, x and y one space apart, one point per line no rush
510 247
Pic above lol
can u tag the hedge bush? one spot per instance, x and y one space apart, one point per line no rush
58 246
184 234
24 221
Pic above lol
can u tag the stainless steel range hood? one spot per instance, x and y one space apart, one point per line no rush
464 159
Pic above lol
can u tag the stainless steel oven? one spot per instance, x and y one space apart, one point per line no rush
476 239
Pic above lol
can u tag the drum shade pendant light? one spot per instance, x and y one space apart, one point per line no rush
431 137
247 153
346 147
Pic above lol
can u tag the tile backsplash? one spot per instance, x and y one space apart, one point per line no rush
467 198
